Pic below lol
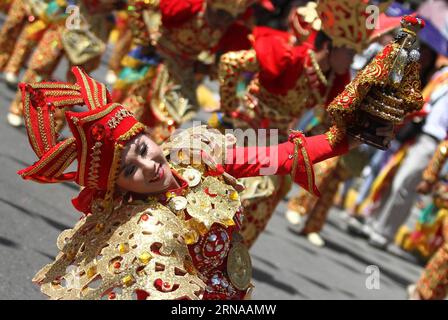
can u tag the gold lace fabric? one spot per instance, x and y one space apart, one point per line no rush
122 255
376 74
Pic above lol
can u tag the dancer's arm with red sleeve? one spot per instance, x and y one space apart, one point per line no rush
295 157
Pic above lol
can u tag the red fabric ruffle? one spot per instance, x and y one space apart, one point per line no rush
281 64
177 12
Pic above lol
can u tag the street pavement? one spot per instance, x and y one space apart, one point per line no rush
285 266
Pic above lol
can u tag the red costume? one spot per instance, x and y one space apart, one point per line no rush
167 97
280 92
179 244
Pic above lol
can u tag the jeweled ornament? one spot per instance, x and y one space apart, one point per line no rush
385 91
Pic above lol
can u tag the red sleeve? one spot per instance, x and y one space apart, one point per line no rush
295 157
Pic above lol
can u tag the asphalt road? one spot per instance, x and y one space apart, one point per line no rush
285 266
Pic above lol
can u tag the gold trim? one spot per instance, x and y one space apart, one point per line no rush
26 103
87 88
309 169
50 158
131 132
61 103
95 95
61 161
44 85
67 164
104 93
53 126
82 163
296 159
57 93
317 68
412 33
113 174
102 113
40 124
298 143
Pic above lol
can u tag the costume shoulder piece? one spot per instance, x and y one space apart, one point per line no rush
135 253
202 147
212 197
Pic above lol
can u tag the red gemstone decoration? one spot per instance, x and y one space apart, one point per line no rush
98 132
410 19
112 296
158 283
117 265
145 217
51 106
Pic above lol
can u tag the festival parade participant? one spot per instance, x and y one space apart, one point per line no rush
83 46
156 224
17 37
188 30
133 201
433 283
289 79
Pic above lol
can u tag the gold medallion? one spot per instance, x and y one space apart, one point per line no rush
239 266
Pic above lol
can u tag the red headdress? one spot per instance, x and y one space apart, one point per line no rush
281 63
237 7
99 136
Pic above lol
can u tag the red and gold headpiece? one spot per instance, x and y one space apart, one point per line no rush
349 22
99 136
237 7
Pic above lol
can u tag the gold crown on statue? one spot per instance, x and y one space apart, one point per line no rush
385 91
349 22
237 7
